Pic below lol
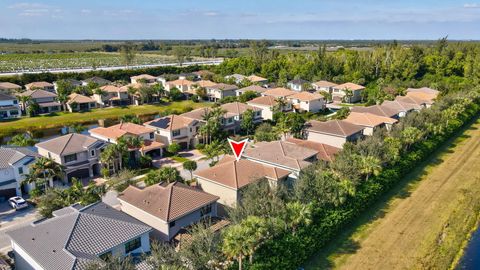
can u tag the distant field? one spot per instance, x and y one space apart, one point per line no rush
61 119
46 61
427 222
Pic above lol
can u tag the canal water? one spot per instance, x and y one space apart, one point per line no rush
471 255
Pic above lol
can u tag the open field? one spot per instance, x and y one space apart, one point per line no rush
65 118
46 61
427 221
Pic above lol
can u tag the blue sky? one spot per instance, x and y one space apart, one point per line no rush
258 19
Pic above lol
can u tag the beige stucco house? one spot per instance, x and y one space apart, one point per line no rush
334 132
77 102
168 207
268 105
307 102
143 78
370 122
175 128
221 90
339 92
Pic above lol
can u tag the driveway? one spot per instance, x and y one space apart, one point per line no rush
11 219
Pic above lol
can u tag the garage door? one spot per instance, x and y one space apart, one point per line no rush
79 174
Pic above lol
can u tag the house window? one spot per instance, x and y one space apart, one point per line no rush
132 245
230 120
152 135
176 133
92 153
105 256
20 170
172 224
15 112
206 210
15 102
70 158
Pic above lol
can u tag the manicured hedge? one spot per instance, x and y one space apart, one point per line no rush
289 251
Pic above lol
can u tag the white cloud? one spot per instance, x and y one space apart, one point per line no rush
36 10
85 11
210 13
471 5
26 6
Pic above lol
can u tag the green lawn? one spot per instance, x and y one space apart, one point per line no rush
8 128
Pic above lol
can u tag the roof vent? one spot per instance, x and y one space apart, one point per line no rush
54 251
33 238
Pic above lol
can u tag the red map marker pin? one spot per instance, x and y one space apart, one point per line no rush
238 147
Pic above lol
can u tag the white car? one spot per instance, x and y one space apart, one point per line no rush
17 203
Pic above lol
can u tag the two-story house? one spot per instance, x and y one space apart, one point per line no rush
77 237
175 128
40 85
112 96
168 207
252 88
348 92
183 85
9 107
143 78
279 92
9 88
299 85
221 90
307 102
370 122
47 101
78 153
147 135
269 105
15 163
334 132
80 103
228 177
324 86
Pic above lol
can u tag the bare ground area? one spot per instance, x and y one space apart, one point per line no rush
427 221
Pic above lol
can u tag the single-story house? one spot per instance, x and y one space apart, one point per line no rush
168 207
227 178
77 102
307 102
40 85
15 163
403 108
79 154
333 132
370 122
175 128
340 92
77 236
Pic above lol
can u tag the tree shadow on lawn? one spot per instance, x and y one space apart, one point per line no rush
344 242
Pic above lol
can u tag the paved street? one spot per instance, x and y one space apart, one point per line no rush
11 219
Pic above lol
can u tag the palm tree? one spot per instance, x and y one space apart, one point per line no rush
411 135
43 171
370 165
78 128
63 99
297 214
280 105
132 92
22 140
24 100
108 157
235 244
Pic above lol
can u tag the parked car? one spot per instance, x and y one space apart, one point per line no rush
17 203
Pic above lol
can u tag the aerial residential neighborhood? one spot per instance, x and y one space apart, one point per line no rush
257 135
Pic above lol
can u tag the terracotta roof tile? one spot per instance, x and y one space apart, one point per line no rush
368 119
74 97
377 110
171 122
349 85
325 84
334 127
305 96
325 152
264 100
279 92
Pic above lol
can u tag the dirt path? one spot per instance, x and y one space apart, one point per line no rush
424 227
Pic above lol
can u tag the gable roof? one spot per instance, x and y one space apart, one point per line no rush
324 84
117 131
325 152
305 96
38 84
368 119
112 88
69 144
168 202
253 88
334 127
280 153
426 97
279 92
38 93
254 78
171 122
237 174
349 85
11 155
76 235
425 90
74 97
379 110
204 83
143 76
9 86
264 101
180 82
